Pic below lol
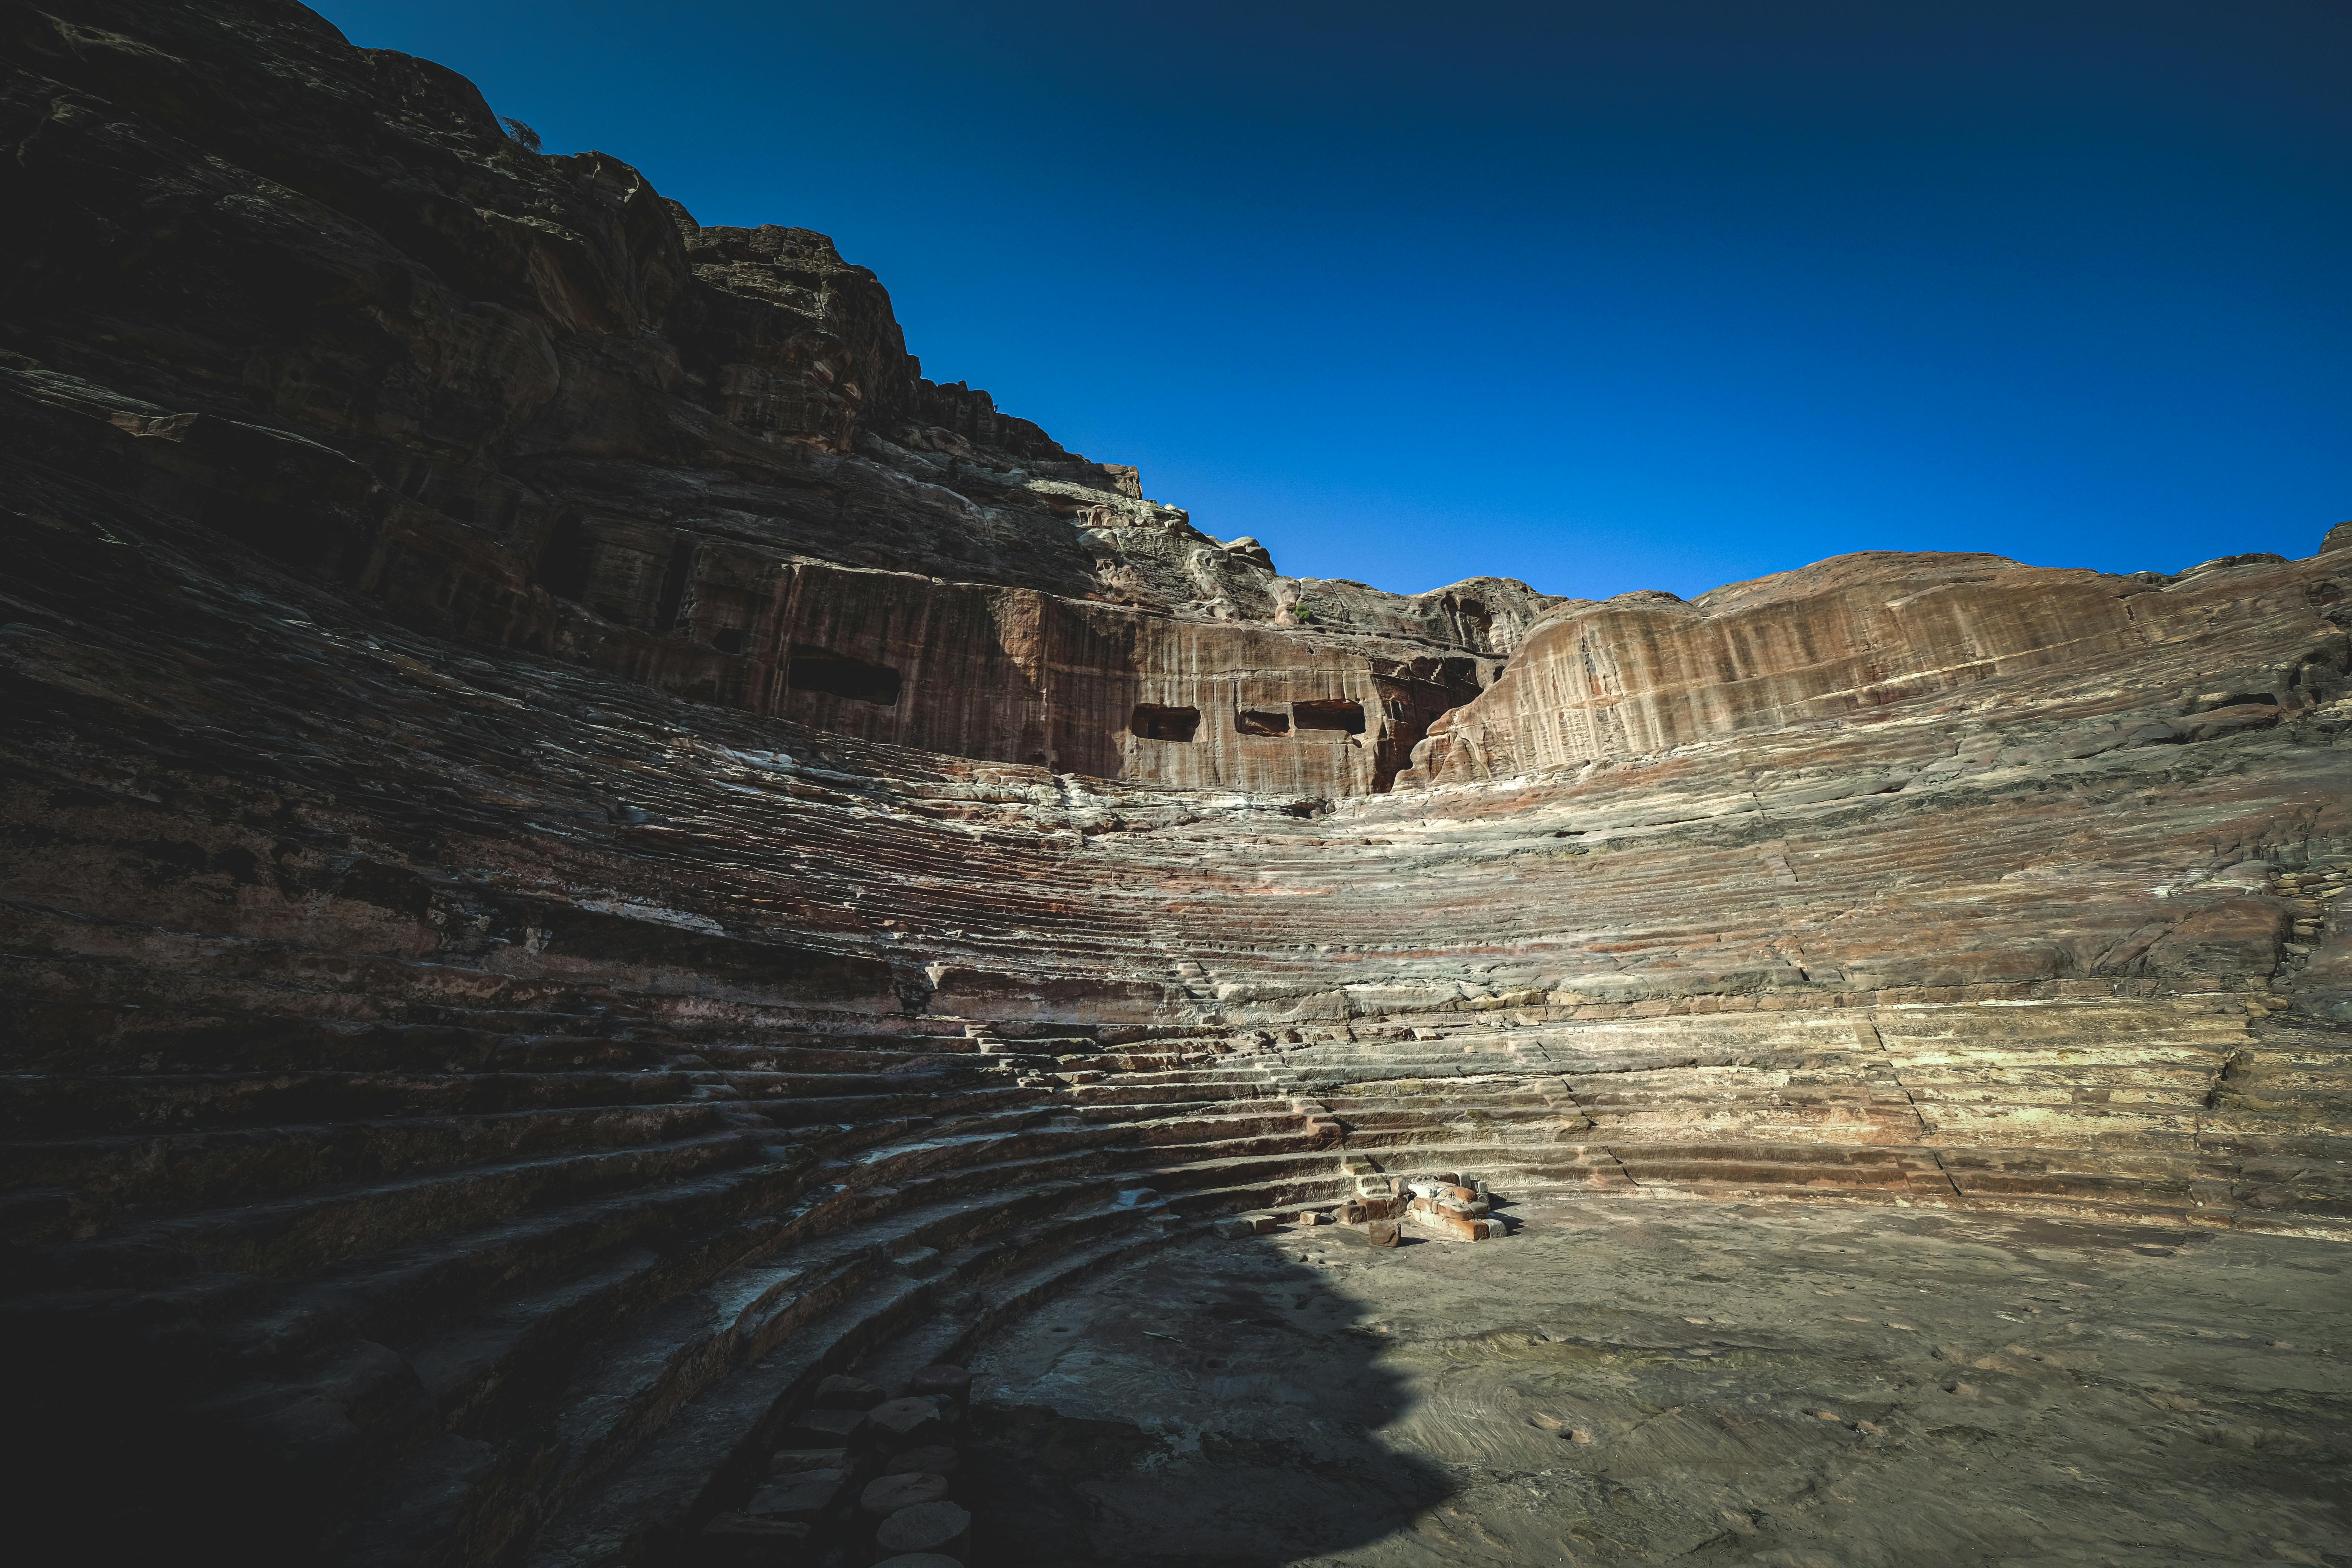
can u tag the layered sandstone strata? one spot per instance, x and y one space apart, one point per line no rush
1863 637
325 299
587 850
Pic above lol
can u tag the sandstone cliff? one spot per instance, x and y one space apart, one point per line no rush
585 847
559 416
1863 638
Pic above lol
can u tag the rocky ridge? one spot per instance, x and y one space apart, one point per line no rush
499 1006
556 414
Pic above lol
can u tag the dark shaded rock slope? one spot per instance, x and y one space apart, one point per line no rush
585 847
546 411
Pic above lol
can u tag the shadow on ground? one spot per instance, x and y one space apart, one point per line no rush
1215 1406
1642 1381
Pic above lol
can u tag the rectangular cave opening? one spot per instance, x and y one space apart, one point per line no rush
1153 723
1337 717
565 562
678 577
815 668
1258 721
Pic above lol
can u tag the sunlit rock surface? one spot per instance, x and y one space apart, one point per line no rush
586 849
1624 1382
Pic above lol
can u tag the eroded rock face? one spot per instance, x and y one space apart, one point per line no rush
564 417
1864 636
587 850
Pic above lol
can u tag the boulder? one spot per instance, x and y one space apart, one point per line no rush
842 1392
799 1495
905 1488
936 1527
940 1382
938 1459
825 1429
897 1425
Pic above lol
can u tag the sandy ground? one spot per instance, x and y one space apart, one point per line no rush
1630 1381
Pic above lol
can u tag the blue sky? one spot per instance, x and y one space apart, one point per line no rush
1650 294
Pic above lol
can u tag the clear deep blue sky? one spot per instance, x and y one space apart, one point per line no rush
1643 293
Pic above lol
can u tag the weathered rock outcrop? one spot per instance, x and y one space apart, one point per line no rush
586 848
559 416
1863 638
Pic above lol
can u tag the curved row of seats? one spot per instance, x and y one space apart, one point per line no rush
467 1137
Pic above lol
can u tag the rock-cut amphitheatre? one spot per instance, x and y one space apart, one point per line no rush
637 936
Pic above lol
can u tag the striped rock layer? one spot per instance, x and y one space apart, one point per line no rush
585 849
